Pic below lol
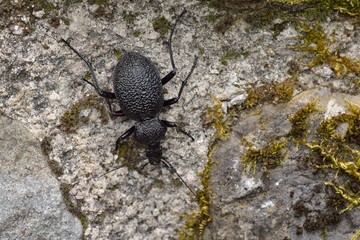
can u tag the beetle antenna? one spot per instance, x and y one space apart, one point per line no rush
89 65
168 165
170 38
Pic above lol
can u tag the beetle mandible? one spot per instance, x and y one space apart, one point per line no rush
138 90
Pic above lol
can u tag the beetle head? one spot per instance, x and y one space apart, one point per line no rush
154 153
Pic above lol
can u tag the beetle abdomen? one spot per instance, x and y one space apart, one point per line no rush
137 87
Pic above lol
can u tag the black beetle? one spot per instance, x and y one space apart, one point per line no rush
138 90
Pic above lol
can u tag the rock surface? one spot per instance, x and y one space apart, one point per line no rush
31 203
289 201
40 85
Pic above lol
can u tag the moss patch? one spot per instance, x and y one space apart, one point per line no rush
71 120
196 220
74 208
270 93
298 120
316 45
229 55
268 157
129 153
334 153
351 7
215 118
161 25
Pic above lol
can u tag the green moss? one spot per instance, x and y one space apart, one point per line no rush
356 236
74 208
268 157
270 93
71 119
44 5
211 18
137 33
233 54
224 23
118 54
129 153
316 45
350 7
98 2
229 55
214 117
196 220
202 51
176 182
54 166
327 128
340 154
161 25
291 1
298 120
128 17
156 184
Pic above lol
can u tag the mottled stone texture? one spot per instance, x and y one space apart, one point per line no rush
31 203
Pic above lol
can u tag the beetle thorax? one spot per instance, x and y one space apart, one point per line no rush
149 131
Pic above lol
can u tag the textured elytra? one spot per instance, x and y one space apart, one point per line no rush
137 87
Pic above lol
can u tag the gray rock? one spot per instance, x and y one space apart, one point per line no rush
31 203
286 202
40 80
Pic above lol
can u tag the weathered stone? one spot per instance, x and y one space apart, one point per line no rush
287 202
31 203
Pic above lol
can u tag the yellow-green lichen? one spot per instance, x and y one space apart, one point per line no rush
268 157
316 44
298 120
270 93
71 120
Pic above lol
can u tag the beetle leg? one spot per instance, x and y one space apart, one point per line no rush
168 77
104 94
171 101
112 111
123 136
95 84
172 124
